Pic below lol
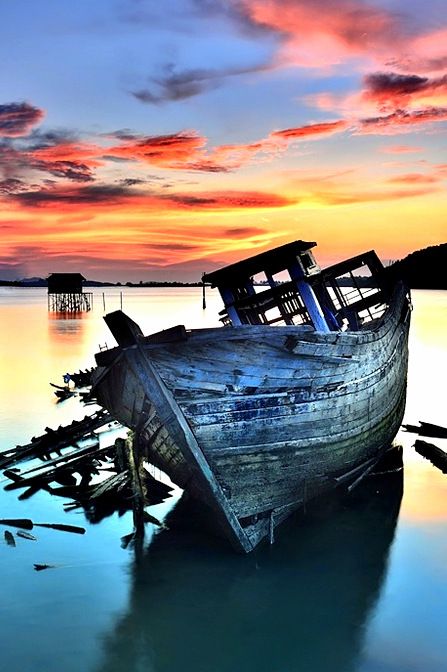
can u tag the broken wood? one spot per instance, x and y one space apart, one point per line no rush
431 452
55 439
9 538
63 461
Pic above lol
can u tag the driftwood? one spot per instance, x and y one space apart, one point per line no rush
431 452
9 538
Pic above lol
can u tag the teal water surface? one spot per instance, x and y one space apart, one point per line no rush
355 585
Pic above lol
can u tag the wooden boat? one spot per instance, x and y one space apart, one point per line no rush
301 391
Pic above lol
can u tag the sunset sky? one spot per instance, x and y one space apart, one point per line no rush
148 140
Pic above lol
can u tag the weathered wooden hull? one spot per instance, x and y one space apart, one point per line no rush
258 420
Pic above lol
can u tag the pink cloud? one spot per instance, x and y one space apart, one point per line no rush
323 33
426 53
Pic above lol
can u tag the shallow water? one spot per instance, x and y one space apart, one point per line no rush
357 585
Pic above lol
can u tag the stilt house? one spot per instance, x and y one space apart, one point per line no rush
66 295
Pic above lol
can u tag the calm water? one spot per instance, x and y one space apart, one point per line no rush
359 585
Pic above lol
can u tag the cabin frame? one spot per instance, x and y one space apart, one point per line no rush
309 296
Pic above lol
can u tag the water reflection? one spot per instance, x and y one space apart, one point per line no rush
302 604
62 324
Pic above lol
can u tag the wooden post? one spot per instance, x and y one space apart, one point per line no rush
203 296
121 300
271 528
104 301
135 466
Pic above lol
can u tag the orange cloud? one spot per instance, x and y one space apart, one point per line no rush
169 151
401 149
311 130
184 150
68 151
109 197
414 178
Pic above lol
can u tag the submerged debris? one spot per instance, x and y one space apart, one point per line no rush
39 567
68 460
9 538
26 535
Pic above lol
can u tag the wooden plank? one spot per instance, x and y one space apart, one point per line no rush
173 419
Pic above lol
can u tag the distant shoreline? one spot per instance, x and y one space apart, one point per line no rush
423 269
91 283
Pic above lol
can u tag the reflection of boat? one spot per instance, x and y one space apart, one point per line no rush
256 420
305 606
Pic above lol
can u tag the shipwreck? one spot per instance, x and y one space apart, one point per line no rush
301 390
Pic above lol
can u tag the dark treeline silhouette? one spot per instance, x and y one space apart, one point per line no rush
424 269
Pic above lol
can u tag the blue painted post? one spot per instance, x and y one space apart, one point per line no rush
307 294
228 299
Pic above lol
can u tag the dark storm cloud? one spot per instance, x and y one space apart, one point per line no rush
69 170
131 181
179 85
12 186
390 90
17 119
39 139
401 119
81 195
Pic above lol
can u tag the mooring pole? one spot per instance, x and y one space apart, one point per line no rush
203 294
104 301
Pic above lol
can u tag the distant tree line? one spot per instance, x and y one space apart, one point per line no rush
424 269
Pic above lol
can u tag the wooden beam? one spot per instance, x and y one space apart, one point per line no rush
173 419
